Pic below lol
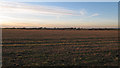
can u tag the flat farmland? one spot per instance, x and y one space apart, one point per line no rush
59 47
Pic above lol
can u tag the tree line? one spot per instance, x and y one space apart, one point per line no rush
44 28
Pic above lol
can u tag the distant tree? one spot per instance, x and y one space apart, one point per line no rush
40 28
23 28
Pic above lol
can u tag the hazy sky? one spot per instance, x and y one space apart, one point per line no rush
59 14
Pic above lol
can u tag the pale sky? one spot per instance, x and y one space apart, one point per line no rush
59 14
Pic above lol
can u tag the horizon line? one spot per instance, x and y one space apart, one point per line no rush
58 28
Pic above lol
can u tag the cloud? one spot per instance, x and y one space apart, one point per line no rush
15 7
83 12
95 14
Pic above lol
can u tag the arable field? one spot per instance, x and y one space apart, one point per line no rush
60 47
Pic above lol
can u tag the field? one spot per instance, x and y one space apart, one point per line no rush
60 47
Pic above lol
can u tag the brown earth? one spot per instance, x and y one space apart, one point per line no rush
60 47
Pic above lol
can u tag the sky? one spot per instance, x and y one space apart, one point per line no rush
59 14
62 0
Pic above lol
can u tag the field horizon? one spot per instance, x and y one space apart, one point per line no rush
58 28
39 34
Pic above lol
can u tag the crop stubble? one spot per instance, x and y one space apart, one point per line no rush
60 47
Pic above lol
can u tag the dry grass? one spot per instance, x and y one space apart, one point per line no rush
60 47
